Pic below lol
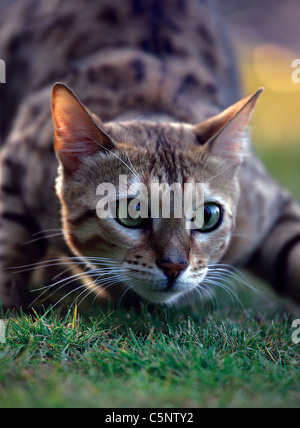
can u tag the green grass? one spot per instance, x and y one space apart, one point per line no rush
166 359
222 356
283 163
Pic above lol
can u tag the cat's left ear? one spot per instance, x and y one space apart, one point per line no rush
224 134
76 133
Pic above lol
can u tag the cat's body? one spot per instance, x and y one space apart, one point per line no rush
153 70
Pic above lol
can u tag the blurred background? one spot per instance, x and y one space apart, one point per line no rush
266 38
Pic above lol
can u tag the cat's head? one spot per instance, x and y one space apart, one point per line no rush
159 246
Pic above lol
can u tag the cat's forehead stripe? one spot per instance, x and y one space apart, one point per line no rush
153 134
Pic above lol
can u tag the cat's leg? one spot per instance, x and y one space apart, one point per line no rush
278 257
17 226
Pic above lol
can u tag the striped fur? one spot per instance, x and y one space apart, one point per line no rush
155 89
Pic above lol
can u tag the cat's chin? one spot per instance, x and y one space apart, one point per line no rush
159 292
161 297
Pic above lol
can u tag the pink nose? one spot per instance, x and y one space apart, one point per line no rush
170 269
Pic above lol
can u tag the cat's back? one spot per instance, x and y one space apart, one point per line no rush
131 55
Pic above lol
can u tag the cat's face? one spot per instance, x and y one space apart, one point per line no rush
161 255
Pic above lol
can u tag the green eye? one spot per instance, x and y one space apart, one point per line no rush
129 213
208 217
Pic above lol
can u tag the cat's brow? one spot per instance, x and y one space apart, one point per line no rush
114 154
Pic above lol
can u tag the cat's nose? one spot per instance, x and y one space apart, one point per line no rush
171 269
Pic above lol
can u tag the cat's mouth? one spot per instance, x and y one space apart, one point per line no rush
159 296
166 292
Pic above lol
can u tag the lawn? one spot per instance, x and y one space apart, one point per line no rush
217 358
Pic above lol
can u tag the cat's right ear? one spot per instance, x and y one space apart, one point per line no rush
76 135
224 135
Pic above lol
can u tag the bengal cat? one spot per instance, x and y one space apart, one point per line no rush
160 103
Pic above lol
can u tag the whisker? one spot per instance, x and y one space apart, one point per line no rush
40 232
112 279
42 237
62 261
103 285
126 135
124 292
114 154
84 286
227 278
203 291
233 296
113 272
65 296
64 282
235 273
221 172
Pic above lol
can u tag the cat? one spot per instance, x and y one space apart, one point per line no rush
159 103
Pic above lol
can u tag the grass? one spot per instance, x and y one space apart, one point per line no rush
222 358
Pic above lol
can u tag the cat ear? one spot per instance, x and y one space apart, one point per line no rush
224 134
76 134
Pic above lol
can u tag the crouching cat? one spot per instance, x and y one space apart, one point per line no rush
160 106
